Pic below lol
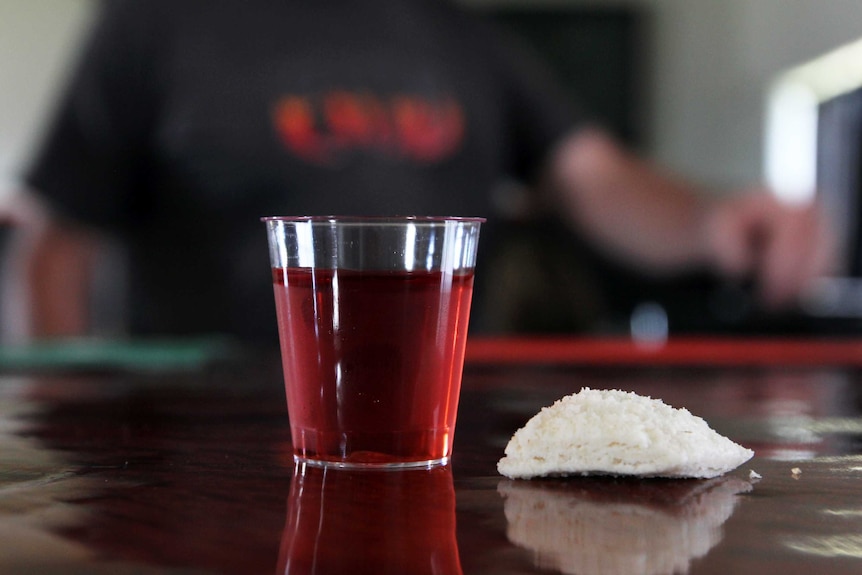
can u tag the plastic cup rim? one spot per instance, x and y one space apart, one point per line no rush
373 220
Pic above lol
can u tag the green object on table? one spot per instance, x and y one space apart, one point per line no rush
97 354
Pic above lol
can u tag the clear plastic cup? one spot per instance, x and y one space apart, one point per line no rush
372 316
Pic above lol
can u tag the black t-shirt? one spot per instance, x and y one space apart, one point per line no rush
188 120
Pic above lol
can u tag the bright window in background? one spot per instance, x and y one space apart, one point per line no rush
814 146
794 105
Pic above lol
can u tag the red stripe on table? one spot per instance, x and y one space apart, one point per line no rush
680 352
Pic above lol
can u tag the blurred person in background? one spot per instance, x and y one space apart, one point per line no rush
187 121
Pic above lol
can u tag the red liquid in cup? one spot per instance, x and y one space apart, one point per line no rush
372 362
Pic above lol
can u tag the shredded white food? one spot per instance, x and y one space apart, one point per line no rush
613 432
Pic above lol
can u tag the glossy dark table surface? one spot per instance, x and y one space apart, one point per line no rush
188 470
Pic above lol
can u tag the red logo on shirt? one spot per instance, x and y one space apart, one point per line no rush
319 129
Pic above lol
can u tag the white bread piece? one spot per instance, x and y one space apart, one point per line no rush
613 432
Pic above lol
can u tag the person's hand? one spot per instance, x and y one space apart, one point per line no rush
782 247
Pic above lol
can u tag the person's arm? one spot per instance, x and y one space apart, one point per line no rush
661 223
58 267
91 164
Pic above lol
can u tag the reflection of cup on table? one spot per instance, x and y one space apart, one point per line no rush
372 316
349 521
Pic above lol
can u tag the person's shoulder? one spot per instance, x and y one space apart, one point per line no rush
455 13
469 25
149 23
146 11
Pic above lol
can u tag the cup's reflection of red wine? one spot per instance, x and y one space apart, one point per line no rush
367 522
372 361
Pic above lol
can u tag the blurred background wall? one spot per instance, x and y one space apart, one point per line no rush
38 40
708 65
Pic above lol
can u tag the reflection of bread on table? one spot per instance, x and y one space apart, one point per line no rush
618 527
